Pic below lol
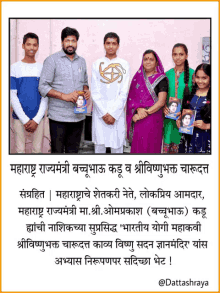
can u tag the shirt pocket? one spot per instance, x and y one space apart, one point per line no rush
79 74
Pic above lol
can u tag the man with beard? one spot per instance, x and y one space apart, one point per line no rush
64 73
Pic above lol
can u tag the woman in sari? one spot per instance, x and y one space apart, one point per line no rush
146 99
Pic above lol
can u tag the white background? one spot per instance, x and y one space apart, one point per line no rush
33 270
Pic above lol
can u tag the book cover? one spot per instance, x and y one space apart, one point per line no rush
81 104
187 120
174 106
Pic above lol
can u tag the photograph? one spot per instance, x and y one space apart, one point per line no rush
81 104
187 121
110 146
127 83
174 106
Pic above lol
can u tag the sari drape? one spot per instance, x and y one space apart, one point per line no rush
145 135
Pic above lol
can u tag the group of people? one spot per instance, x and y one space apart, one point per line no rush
142 109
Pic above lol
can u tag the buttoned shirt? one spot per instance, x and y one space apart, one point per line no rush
63 75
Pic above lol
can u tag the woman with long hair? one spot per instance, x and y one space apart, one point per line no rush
199 100
180 84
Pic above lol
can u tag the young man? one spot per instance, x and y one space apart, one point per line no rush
110 81
64 73
29 108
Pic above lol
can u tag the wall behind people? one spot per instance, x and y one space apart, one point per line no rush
136 36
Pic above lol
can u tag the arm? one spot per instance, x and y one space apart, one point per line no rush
72 97
143 113
16 105
96 95
119 104
159 104
42 110
162 96
202 125
46 80
32 125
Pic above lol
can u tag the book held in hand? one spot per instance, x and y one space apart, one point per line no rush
174 106
81 104
187 120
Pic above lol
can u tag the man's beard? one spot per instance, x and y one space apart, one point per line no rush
69 53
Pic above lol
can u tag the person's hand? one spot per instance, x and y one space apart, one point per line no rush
142 113
111 119
72 97
178 121
165 110
135 118
178 114
30 126
108 119
200 124
87 94
27 124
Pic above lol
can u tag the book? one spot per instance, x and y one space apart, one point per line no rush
81 104
187 120
174 106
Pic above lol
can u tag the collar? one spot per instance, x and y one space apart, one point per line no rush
63 54
178 72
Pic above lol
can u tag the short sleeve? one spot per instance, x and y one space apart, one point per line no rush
163 85
47 76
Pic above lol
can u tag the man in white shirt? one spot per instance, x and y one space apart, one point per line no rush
29 108
109 89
